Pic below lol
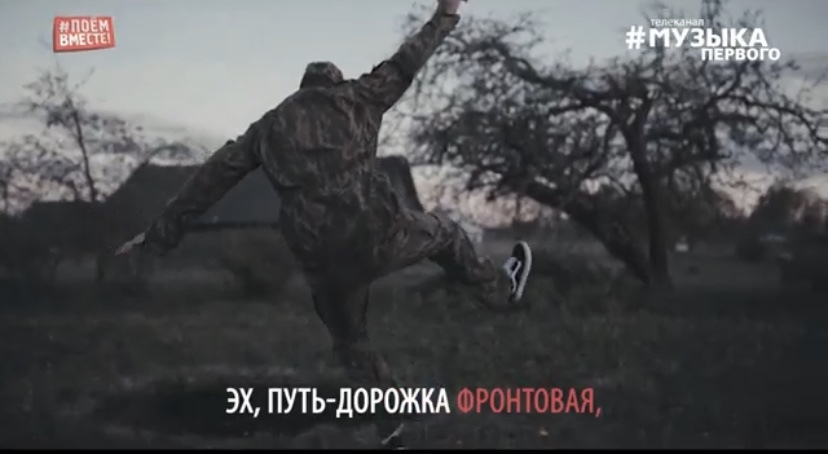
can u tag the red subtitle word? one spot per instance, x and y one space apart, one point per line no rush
528 400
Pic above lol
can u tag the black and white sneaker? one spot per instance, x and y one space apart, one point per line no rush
518 267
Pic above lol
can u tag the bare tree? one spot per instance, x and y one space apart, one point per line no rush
81 145
783 214
593 142
783 208
81 152
8 168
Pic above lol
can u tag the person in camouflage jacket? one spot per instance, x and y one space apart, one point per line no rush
340 216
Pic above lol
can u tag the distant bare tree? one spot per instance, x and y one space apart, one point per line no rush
81 145
782 214
8 168
783 208
6 188
593 142
80 151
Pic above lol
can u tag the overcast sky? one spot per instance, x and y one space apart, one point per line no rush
214 66
217 65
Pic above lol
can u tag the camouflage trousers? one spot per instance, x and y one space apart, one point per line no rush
343 306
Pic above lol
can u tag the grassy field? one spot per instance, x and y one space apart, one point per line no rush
729 361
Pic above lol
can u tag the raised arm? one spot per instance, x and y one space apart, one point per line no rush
387 82
222 170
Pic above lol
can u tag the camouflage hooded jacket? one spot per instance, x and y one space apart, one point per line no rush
318 149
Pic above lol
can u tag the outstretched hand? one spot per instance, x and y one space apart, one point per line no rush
130 245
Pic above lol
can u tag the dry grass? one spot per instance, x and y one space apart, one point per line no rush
718 366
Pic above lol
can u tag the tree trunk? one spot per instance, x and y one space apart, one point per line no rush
656 233
647 180
616 239
80 140
613 235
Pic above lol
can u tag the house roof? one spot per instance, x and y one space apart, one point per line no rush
145 193
65 223
61 209
86 225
